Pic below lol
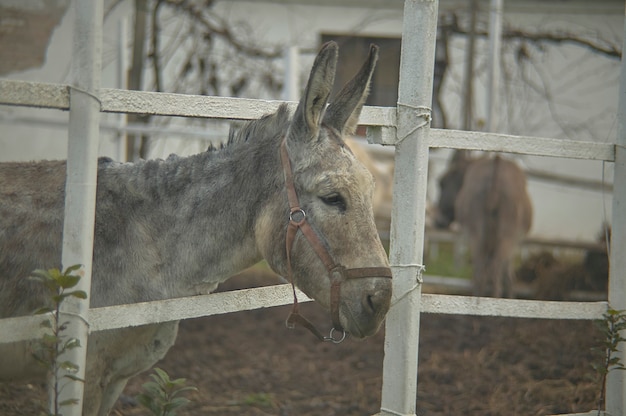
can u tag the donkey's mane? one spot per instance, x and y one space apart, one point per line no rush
267 126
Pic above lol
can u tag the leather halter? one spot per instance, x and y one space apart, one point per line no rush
336 272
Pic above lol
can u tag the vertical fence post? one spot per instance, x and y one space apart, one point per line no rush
409 206
616 380
80 187
291 84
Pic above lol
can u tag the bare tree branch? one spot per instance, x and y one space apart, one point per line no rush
215 25
154 41
604 48
600 46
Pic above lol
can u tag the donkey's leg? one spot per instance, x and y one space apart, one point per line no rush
479 279
507 278
503 271
101 394
110 395
94 387
499 287
493 274
120 354
499 277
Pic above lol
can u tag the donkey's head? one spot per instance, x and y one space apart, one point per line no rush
332 250
450 185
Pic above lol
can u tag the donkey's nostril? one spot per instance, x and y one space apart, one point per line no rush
377 301
370 303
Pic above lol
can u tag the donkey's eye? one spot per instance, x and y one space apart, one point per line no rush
335 200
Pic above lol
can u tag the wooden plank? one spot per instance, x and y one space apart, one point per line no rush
539 146
434 235
185 105
44 95
567 180
192 307
34 94
514 308
121 316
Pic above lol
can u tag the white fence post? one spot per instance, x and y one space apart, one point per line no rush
616 380
80 188
291 83
409 206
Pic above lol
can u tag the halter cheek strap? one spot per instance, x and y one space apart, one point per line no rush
336 272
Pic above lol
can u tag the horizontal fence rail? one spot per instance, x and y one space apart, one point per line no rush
143 313
56 96
446 236
512 308
537 146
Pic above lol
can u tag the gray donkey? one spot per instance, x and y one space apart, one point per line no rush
284 189
487 196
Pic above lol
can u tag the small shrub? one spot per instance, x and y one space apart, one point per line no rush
160 395
611 327
53 344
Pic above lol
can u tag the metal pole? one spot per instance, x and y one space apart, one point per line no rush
616 380
409 206
493 83
122 83
80 188
468 90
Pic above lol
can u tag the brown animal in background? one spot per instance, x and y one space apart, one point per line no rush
487 197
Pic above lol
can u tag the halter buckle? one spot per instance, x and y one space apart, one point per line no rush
297 215
331 338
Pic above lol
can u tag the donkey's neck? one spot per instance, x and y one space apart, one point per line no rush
189 220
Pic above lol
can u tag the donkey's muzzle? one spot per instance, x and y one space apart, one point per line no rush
364 318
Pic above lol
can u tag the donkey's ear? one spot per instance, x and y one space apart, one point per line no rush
308 116
343 113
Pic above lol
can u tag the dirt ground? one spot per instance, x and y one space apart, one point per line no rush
248 363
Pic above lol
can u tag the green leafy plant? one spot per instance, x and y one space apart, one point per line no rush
54 343
611 327
161 396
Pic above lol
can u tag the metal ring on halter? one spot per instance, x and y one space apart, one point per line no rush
330 337
299 212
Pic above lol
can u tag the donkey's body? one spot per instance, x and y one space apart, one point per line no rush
489 200
163 227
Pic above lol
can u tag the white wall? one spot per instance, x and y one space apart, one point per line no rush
24 140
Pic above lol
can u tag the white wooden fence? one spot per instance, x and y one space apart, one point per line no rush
406 127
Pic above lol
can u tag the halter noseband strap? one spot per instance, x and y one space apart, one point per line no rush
336 272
